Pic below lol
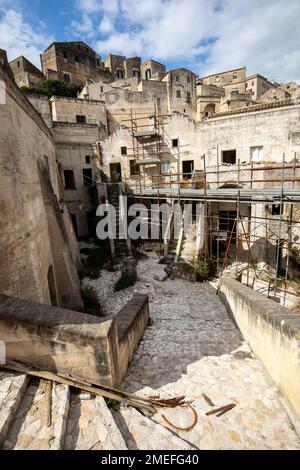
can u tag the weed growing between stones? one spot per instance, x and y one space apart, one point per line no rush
124 282
91 301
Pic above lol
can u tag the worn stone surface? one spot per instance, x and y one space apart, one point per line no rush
193 347
92 427
143 433
29 429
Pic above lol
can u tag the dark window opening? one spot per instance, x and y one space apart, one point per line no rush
134 168
148 74
65 55
177 78
120 74
136 74
123 150
115 172
80 119
189 79
178 94
98 62
87 176
234 75
229 156
275 209
69 179
227 223
188 97
74 223
91 222
174 142
66 77
88 159
76 58
18 64
187 169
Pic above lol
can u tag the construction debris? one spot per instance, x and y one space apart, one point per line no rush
222 410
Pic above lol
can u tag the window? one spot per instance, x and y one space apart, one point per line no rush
123 150
187 169
235 91
65 54
69 179
253 83
136 74
101 89
87 176
87 159
165 167
66 77
234 75
134 168
256 154
174 142
148 74
188 97
158 103
188 79
120 74
217 78
98 62
80 119
18 63
275 209
76 58
177 78
229 156
178 94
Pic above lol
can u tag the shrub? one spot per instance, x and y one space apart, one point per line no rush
51 87
204 269
112 404
124 282
91 301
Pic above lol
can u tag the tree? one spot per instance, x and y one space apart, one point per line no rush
54 88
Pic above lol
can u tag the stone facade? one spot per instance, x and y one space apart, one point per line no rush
257 85
73 62
181 92
25 73
36 226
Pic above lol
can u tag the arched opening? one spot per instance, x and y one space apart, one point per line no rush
120 74
51 286
209 109
148 74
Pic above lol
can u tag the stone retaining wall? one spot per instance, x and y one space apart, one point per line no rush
131 321
72 343
273 333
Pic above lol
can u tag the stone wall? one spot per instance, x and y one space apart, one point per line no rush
273 333
27 263
131 321
72 343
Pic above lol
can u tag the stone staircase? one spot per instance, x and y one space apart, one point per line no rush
78 421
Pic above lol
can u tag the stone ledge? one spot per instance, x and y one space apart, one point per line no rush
127 315
279 316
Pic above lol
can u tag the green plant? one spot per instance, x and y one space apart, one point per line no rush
51 87
204 269
91 301
295 258
124 282
112 404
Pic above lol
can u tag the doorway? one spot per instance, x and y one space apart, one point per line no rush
115 172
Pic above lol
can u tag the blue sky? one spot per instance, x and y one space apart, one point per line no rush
204 35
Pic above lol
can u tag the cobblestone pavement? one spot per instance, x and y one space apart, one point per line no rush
193 347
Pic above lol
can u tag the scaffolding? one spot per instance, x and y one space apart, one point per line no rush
228 233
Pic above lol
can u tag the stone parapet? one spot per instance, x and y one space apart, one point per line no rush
272 331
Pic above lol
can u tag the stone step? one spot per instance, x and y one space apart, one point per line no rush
142 433
91 426
29 429
12 389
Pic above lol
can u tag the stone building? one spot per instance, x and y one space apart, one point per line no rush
39 252
230 80
181 92
257 85
25 73
152 70
73 62
122 67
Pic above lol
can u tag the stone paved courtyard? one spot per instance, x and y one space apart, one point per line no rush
193 347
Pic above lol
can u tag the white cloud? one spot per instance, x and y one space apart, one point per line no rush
107 25
261 34
19 37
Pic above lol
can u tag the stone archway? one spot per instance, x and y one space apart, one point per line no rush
209 109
